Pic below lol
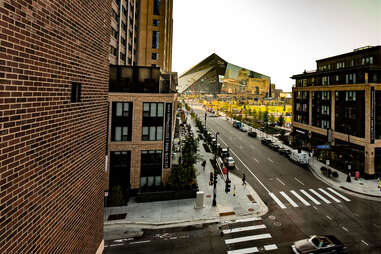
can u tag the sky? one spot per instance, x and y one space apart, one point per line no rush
277 38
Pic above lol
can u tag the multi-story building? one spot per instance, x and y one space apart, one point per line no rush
142 115
340 104
123 40
54 75
155 34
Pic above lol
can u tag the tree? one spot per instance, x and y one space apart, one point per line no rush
271 118
281 120
265 116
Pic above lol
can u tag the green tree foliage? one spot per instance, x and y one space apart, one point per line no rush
266 116
271 118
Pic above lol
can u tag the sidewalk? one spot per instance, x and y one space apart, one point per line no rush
246 202
364 187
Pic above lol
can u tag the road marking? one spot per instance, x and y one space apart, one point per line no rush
299 181
364 242
247 238
310 197
344 228
173 238
270 247
281 182
329 195
256 160
277 200
338 194
329 218
320 196
123 240
300 198
270 160
314 207
147 241
289 199
244 251
116 244
242 229
248 219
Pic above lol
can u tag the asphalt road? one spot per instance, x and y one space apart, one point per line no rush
356 222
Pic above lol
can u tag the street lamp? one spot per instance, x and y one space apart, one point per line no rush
215 174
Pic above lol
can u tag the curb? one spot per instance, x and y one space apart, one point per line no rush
360 193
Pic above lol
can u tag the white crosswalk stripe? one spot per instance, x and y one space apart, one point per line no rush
338 194
320 196
244 251
241 229
300 198
270 247
289 199
247 238
329 195
277 200
310 197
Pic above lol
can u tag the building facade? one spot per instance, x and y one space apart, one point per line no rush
142 115
340 104
123 40
53 83
155 34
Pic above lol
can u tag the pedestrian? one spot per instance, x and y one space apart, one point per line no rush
243 179
378 183
211 178
234 191
203 164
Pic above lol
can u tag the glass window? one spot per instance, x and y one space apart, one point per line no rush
151 180
155 39
118 133
119 109
152 133
160 109
157 180
145 133
156 22
371 60
153 110
156 7
143 181
125 133
159 133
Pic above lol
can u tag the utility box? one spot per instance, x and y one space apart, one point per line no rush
200 195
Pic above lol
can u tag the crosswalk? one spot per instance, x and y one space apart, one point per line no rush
248 235
308 197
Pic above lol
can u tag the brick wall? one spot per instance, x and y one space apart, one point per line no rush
52 151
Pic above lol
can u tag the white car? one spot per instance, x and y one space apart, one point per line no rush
230 163
244 128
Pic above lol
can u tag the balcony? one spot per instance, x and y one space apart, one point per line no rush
138 79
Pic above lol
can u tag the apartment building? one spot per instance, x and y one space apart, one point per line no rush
54 76
340 104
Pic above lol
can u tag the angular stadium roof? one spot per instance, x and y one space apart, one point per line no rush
186 81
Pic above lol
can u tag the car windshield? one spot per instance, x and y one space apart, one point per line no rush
321 241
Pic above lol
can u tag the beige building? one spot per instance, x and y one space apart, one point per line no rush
155 34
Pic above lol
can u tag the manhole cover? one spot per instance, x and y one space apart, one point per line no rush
272 217
361 183
251 209
277 223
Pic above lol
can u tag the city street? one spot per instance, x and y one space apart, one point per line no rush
299 204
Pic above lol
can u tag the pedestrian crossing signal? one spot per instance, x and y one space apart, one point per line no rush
227 185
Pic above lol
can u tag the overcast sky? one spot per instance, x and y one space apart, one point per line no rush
277 38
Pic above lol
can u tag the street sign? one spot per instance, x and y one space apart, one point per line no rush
327 162
322 146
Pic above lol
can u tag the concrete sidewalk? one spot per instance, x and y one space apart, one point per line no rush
160 214
363 187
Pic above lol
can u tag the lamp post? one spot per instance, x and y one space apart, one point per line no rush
205 119
215 175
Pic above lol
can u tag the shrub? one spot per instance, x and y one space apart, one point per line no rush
323 169
335 174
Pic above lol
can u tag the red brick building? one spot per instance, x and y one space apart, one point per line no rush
54 72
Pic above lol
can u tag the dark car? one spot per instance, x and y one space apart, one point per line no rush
319 244
224 153
266 141
284 151
252 134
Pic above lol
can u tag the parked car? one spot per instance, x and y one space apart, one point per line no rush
229 161
237 124
318 244
284 151
266 141
300 158
244 128
225 152
252 134
275 146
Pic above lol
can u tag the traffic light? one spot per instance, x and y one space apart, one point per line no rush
215 178
227 185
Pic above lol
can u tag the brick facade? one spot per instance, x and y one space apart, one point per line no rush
52 151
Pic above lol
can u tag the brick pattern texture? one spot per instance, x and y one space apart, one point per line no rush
52 151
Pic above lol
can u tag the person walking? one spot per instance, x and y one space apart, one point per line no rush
203 164
244 179
378 183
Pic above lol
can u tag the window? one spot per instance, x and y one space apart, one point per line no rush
325 95
153 109
156 22
305 107
350 95
121 121
325 80
350 78
152 133
114 33
324 124
367 60
113 51
115 16
340 65
124 41
324 110
155 56
152 127
155 39
151 165
156 7
337 78
75 92
304 82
